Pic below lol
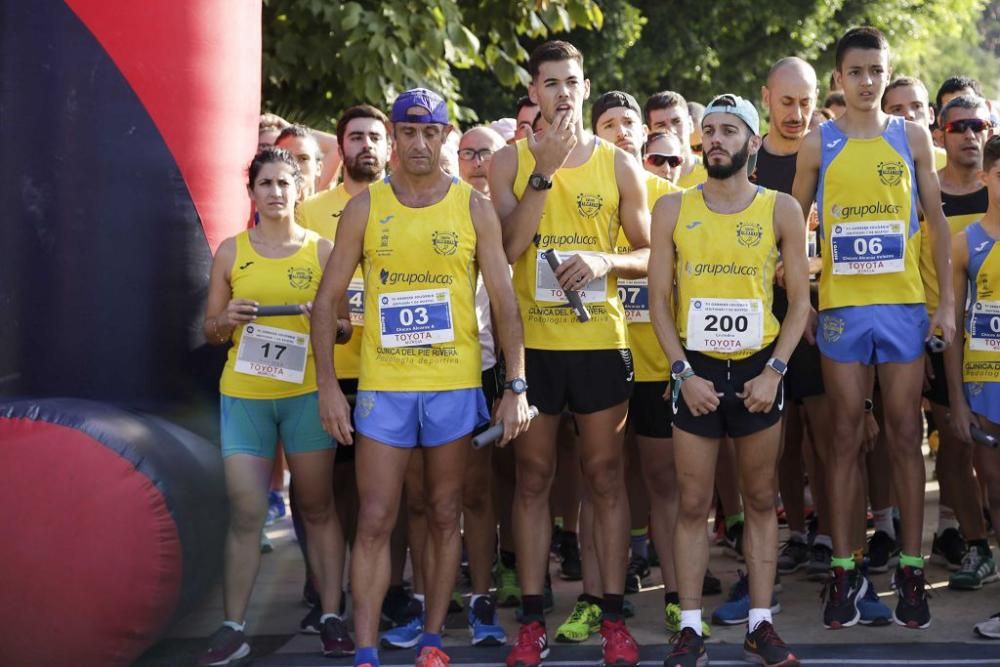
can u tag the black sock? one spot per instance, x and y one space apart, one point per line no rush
590 599
672 597
534 608
613 606
509 559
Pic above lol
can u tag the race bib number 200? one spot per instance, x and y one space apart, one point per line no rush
984 326
420 317
868 248
273 353
725 325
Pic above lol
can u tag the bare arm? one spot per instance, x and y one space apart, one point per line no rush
930 201
661 275
961 416
223 313
633 212
790 226
807 171
344 327
331 159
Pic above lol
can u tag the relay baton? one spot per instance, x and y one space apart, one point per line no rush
983 438
274 311
936 345
494 432
552 257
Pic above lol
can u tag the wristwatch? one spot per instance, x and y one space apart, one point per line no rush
778 366
539 182
681 370
517 385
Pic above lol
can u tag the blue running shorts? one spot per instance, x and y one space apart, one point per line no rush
419 418
871 335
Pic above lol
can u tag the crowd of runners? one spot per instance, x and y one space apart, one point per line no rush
711 321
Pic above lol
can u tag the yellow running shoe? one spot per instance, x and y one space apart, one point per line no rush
584 621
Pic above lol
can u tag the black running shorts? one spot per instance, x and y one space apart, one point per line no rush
583 381
650 413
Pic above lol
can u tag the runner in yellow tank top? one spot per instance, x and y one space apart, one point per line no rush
617 118
873 169
419 237
268 391
719 242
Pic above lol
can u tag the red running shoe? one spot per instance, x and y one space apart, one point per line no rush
531 647
620 649
431 656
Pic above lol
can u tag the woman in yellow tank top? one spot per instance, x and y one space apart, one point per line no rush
268 390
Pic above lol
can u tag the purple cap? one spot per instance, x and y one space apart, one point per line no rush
437 110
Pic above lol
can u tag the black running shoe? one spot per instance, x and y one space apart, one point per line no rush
912 610
763 646
570 568
638 569
399 608
883 552
818 567
711 584
734 541
841 594
337 641
688 650
948 549
794 555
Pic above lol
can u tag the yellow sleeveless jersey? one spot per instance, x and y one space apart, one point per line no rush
940 158
580 216
696 176
960 211
321 213
981 361
725 276
420 274
271 357
867 203
651 364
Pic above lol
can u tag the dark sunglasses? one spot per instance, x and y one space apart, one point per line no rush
977 125
657 159
484 154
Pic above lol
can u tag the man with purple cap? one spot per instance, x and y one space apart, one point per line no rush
420 236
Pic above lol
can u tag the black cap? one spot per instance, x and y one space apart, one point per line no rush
612 100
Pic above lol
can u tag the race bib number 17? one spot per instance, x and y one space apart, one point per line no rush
274 353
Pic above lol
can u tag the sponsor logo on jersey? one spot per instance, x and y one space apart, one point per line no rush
890 173
445 243
749 234
861 210
415 277
589 205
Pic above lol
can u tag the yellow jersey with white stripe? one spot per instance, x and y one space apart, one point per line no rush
271 357
651 364
580 217
960 211
981 361
724 269
420 274
867 204
321 213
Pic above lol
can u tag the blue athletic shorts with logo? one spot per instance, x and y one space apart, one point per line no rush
984 399
879 334
419 418
253 426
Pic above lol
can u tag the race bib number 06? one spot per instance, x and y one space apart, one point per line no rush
421 317
634 295
274 353
984 326
868 248
356 301
547 287
725 325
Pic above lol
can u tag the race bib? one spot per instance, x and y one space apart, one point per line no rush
634 295
868 248
984 326
725 325
356 301
547 287
421 317
274 353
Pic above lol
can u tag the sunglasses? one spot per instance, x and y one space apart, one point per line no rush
657 160
469 154
961 126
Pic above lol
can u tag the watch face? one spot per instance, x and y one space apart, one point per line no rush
518 386
677 367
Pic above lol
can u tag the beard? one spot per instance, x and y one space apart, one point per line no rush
723 171
362 172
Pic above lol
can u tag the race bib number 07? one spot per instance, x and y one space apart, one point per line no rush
420 317
984 326
274 353
547 287
634 295
725 325
868 248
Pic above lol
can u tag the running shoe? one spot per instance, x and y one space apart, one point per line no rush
688 650
711 584
508 590
672 620
978 568
583 621
336 639
736 609
883 552
619 647
310 625
763 646
266 546
404 636
872 610
531 647
432 656
948 549
990 628
275 507
818 567
399 607
484 626
570 567
841 593
226 646
456 604
638 569
734 541
794 555
912 610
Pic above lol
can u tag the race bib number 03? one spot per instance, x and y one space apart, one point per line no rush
868 248
634 295
274 353
725 325
547 287
356 301
421 317
984 326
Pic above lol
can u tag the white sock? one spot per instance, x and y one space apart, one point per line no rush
883 521
691 618
322 619
825 541
946 519
797 536
239 627
757 616
419 597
